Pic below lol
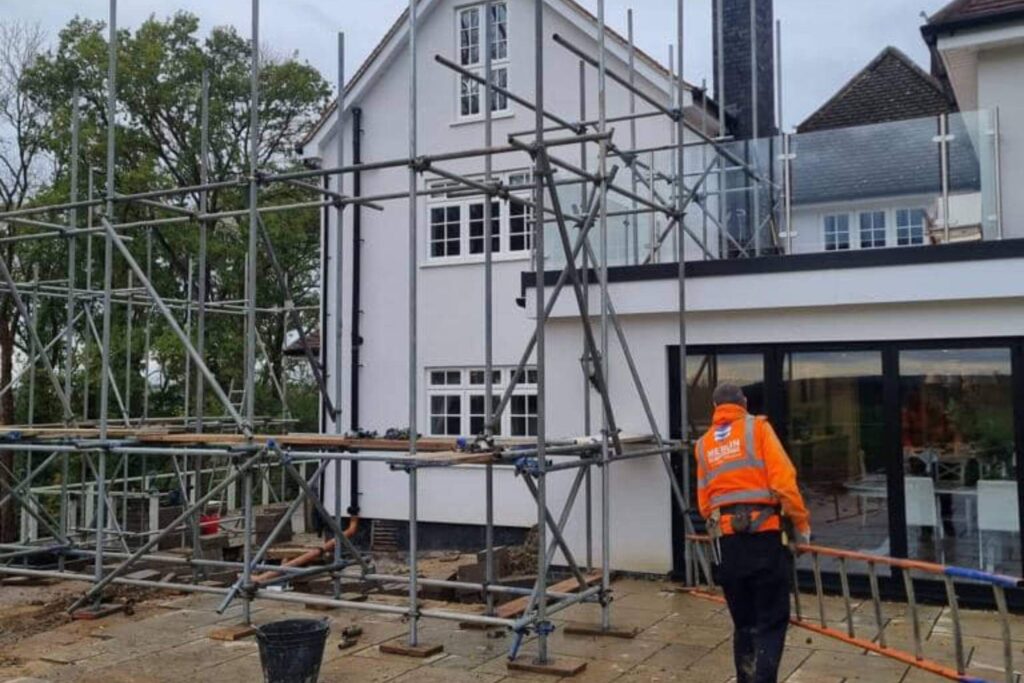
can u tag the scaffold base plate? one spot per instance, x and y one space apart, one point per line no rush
596 630
421 651
561 667
97 612
233 633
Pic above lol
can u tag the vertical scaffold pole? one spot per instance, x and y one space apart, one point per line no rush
250 293
339 300
108 274
489 578
33 322
201 267
587 357
87 338
538 248
680 161
147 331
414 607
606 485
69 330
634 218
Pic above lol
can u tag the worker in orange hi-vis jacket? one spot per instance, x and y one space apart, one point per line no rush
745 483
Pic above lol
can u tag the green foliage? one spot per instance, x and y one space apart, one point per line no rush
158 145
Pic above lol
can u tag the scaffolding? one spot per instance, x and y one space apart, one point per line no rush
212 454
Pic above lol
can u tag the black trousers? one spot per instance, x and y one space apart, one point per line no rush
755 576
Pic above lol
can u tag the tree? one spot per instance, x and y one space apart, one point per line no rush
21 174
160 70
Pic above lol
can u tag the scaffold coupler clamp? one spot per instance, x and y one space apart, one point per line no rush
527 465
482 443
420 164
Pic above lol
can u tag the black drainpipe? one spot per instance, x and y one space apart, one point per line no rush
357 262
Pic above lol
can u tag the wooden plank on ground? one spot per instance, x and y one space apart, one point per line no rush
515 608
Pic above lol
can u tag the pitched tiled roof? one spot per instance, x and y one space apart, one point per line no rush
891 88
968 13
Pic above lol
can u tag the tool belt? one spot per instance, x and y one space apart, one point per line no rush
745 518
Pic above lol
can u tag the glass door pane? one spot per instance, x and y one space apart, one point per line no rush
834 437
705 372
958 458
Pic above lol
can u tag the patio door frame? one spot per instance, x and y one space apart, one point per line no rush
776 410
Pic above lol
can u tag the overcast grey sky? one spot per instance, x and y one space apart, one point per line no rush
825 42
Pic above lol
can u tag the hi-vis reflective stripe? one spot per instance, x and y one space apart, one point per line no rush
748 496
751 459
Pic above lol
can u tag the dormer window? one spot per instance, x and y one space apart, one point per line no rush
470 36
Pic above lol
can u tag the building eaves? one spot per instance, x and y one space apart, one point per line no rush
967 14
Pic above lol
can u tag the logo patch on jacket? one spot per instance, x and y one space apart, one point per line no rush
722 432
730 450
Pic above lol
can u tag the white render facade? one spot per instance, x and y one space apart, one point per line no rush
894 301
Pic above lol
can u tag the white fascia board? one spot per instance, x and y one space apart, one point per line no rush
983 38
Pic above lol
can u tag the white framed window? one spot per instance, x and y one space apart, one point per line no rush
445 231
872 229
520 227
910 226
456 222
477 232
477 415
456 402
446 414
470 32
523 413
837 232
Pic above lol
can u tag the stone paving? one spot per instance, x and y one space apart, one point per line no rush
681 638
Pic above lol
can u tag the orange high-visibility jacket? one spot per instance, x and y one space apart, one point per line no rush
741 461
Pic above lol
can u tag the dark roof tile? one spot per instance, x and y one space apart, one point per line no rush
960 11
891 88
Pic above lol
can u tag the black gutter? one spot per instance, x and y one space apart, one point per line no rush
357 263
829 260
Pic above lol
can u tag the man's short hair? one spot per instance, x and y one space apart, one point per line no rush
728 393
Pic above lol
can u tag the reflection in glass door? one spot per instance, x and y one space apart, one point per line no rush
706 371
834 431
956 417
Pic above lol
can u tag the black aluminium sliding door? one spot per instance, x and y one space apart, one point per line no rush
903 448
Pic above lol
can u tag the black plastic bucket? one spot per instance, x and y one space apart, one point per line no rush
291 650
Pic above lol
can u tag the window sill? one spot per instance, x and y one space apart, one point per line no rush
470 120
476 260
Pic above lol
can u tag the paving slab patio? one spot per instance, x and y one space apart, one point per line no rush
682 638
